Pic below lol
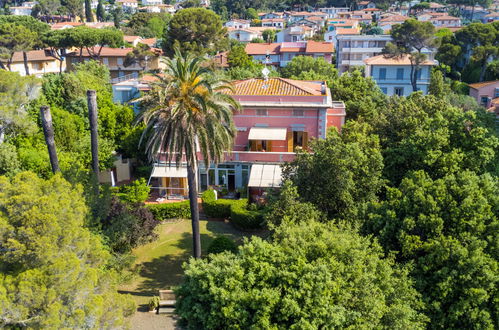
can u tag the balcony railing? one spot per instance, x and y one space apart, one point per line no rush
247 156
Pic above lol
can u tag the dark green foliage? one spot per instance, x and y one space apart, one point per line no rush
136 192
426 133
286 208
244 218
221 244
342 174
219 209
237 57
309 68
148 25
128 226
308 277
196 30
9 162
448 228
361 95
165 211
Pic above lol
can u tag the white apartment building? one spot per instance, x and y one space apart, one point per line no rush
352 50
332 12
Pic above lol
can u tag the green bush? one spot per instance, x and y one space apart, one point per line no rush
243 218
180 210
216 208
135 192
221 244
153 303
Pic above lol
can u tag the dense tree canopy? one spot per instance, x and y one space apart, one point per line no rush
308 277
53 268
196 30
342 174
309 68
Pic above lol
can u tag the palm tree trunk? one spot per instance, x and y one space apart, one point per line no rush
193 199
48 131
25 59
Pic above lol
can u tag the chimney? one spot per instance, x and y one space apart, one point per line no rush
323 87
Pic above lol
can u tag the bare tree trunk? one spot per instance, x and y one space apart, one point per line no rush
25 59
414 78
48 131
193 199
2 66
92 116
483 70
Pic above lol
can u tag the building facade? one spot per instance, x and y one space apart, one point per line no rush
352 50
392 75
484 92
278 117
40 62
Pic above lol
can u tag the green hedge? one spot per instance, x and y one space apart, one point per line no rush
180 210
219 208
243 218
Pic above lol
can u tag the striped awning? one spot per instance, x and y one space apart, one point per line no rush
169 172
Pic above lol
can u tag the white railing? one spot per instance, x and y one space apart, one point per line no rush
133 75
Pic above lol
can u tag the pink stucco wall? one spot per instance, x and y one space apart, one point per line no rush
488 91
276 117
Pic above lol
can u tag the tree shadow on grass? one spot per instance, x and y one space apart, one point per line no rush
166 271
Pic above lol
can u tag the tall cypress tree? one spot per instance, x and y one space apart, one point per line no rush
100 12
89 17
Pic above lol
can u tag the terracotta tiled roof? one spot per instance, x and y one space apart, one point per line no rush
277 87
130 38
319 47
149 41
394 18
34 55
402 60
445 18
266 20
263 48
435 5
492 15
483 84
58 26
347 31
105 52
371 9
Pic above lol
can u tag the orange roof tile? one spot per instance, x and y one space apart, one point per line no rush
149 41
34 55
105 52
394 18
276 87
262 48
399 60
483 84
343 31
319 47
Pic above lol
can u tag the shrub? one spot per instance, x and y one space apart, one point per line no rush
180 210
221 244
135 192
219 208
153 303
243 218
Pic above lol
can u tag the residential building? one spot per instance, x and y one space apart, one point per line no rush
331 36
393 74
366 4
40 62
272 15
388 22
244 35
332 12
273 22
485 92
352 50
280 54
151 2
65 25
128 5
133 40
437 8
24 10
491 17
295 33
238 24
278 117
114 59
445 21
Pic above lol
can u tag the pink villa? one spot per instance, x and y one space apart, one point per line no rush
278 117
485 92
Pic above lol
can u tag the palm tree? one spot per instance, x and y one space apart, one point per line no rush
187 113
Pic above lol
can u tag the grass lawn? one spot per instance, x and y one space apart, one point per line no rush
160 262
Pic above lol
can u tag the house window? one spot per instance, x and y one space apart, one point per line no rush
382 74
399 91
300 139
484 100
384 90
298 113
496 93
120 61
418 73
261 112
400 73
